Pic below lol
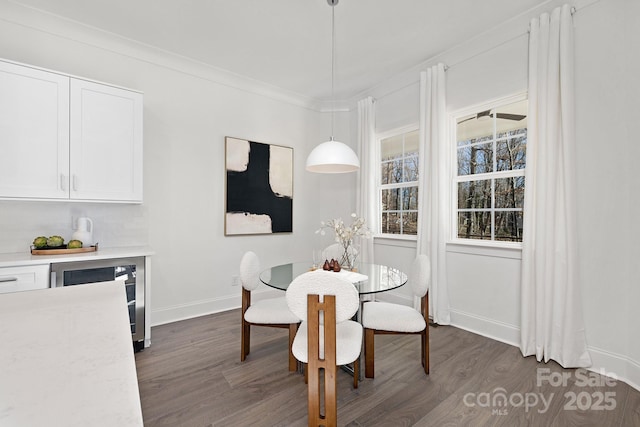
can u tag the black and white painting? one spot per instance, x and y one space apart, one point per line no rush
259 188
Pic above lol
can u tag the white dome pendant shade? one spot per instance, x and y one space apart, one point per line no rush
332 157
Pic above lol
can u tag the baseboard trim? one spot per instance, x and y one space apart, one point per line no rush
605 362
178 312
615 365
498 331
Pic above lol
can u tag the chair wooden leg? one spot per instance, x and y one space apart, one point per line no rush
425 349
425 334
369 352
313 397
330 418
322 382
356 372
245 340
293 363
245 335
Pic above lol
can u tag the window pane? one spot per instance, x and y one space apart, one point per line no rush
511 153
410 223
411 168
509 226
474 140
391 222
399 168
410 198
474 225
411 142
391 148
475 159
391 199
511 118
391 172
509 192
474 128
491 208
386 170
513 132
474 194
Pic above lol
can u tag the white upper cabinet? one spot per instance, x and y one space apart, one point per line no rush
106 142
34 133
64 138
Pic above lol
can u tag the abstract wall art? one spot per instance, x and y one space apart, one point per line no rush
259 188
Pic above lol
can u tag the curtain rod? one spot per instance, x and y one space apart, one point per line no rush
573 12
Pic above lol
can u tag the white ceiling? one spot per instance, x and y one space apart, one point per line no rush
287 43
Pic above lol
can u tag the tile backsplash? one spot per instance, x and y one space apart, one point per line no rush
114 224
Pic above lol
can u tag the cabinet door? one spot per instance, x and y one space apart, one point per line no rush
34 133
106 142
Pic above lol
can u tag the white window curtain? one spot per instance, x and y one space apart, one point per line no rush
366 204
552 325
434 180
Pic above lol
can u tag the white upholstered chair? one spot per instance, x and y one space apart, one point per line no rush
272 312
386 318
348 333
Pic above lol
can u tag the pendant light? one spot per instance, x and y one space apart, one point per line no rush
332 156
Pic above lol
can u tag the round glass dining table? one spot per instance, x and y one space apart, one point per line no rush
369 279
379 278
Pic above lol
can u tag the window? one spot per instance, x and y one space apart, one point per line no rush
398 186
489 183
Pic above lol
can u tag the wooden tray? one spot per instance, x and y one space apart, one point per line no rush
60 251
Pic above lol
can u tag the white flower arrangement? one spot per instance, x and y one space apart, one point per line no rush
345 234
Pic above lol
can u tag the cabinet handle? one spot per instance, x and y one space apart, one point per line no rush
8 279
63 182
75 182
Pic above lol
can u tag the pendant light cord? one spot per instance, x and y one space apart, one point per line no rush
333 62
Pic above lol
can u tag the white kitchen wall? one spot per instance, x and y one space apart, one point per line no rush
188 110
484 284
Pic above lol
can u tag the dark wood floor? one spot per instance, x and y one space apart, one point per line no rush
192 376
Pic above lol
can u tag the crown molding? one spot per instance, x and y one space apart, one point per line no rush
507 31
57 26
38 20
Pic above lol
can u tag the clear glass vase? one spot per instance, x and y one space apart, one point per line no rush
349 255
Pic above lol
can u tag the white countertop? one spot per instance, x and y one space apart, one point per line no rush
66 358
25 258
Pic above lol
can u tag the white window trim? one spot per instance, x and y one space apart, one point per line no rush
489 248
395 240
472 245
379 137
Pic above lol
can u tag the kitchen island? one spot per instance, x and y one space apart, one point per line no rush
66 358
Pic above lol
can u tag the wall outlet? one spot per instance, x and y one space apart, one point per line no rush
235 280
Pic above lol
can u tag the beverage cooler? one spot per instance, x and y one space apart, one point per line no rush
129 270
